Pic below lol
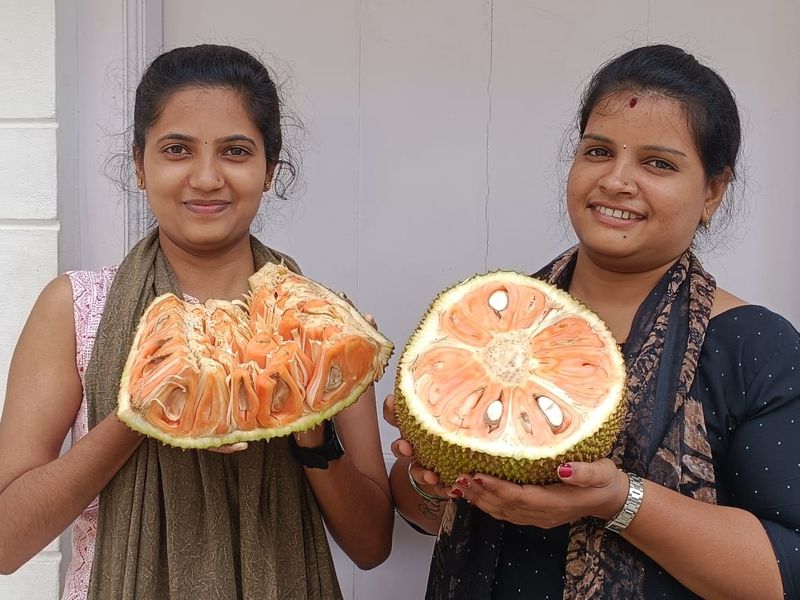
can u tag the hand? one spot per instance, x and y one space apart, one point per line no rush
229 448
595 489
403 449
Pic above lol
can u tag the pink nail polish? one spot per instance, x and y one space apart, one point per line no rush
457 493
565 471
463 482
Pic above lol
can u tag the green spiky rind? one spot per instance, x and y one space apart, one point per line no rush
449 460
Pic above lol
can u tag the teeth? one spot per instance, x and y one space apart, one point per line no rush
616 213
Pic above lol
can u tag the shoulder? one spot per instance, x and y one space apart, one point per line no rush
55 295
724 301
752 326
754 353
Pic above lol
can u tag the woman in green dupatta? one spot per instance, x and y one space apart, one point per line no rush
244 521
699 495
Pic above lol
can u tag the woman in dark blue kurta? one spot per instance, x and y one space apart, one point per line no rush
713 424
748 380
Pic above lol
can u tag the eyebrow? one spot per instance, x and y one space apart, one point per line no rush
651 148
237 137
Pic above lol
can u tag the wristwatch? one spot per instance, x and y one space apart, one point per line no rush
632 503
320 456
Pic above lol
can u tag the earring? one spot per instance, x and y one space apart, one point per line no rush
139 182
706 220
625 183
267 185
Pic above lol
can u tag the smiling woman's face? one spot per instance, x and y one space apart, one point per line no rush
204 168
637 189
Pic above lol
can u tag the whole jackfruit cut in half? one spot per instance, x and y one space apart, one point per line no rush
510 376
289 355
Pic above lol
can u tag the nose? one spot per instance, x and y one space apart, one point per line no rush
206 175
620 178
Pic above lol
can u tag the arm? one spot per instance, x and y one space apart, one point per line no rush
353 492
715 551
425 513
40 492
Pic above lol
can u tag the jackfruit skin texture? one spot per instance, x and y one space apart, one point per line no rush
449 461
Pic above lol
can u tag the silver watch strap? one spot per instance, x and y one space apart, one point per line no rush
632 503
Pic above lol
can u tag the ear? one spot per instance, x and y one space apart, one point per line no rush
270 170
715 191
138 162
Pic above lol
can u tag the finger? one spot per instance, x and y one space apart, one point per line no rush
431 478
600 473
402 449
388 410
423 475
230 448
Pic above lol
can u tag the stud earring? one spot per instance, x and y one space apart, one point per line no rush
139 182
267 185
625 183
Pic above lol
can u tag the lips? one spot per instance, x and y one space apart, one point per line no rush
617 213
206 207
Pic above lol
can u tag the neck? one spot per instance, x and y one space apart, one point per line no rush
220 273
614 296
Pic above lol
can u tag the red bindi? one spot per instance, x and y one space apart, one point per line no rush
633 101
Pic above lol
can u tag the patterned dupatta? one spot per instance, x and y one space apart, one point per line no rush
663 439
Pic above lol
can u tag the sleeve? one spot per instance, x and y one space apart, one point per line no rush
762 468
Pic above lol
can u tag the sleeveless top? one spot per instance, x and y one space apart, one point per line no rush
89 292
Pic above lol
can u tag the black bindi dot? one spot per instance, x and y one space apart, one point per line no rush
633 102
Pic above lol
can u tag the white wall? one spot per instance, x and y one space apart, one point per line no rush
434 131
28 225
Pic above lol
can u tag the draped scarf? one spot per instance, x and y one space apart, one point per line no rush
176 524
663 439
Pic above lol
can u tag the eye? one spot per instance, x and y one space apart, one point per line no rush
237 152
661 164
598 152
175 149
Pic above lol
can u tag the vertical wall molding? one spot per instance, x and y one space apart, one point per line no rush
143 29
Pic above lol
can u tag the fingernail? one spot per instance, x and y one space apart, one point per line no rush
565 471
457 493
478 480
463 482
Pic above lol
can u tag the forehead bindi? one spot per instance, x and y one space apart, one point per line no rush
642 119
